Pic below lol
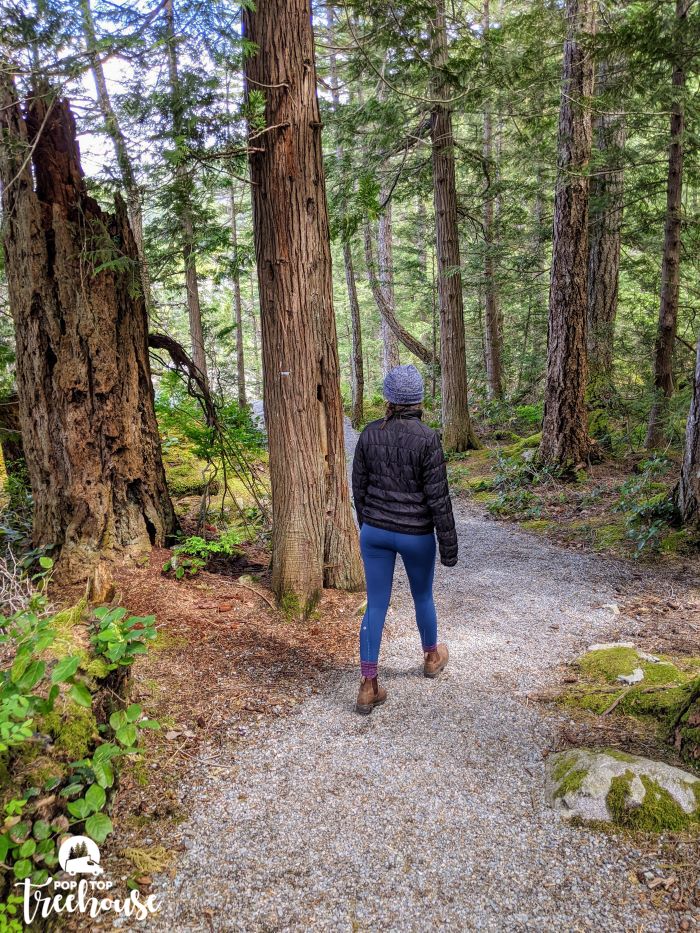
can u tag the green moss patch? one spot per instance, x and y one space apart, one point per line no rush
606 664
525 443
73 729
608 535
657 698
538 525
657 812
485 497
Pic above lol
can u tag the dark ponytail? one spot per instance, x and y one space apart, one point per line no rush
395 411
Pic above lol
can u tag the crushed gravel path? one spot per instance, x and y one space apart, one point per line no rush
429 814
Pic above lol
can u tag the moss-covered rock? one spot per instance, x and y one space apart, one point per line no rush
595 785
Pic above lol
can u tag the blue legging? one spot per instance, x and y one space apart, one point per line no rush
379 549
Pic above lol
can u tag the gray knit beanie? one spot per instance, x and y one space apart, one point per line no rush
403 385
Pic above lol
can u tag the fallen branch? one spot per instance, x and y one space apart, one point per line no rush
247 586
614 704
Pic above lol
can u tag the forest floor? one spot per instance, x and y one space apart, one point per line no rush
266 803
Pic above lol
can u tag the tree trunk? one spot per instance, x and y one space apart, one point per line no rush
314 540
113 129
688 492
385 255
237 303
492 323
358 376
565 440
386 311
458 433
670 263
83 375
604 240
184 196
254 323
11 438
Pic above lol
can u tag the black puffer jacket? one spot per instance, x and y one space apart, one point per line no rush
399 481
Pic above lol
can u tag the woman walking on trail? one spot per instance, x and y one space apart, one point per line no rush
399 484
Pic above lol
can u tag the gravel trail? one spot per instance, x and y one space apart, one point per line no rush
429 814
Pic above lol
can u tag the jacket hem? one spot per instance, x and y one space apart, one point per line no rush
399 529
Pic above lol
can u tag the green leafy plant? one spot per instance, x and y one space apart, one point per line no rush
513 484
29 690
120 637
9 909
192 554
647 505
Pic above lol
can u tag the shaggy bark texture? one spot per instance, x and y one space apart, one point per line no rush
314 540
83 375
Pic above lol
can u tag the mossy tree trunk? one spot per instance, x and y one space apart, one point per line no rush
83 375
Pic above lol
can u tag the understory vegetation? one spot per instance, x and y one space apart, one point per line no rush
66 725
623 503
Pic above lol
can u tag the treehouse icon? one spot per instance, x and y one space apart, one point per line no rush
80 855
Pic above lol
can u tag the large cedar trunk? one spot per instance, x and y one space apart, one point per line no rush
458 433
671 259
565 440
607 188
314 541
83 376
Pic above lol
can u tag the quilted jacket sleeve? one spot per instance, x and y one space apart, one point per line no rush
438 495
360 478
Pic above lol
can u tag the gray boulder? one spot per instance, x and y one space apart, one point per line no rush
611 786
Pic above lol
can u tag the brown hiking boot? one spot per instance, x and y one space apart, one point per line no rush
369 696
435 661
